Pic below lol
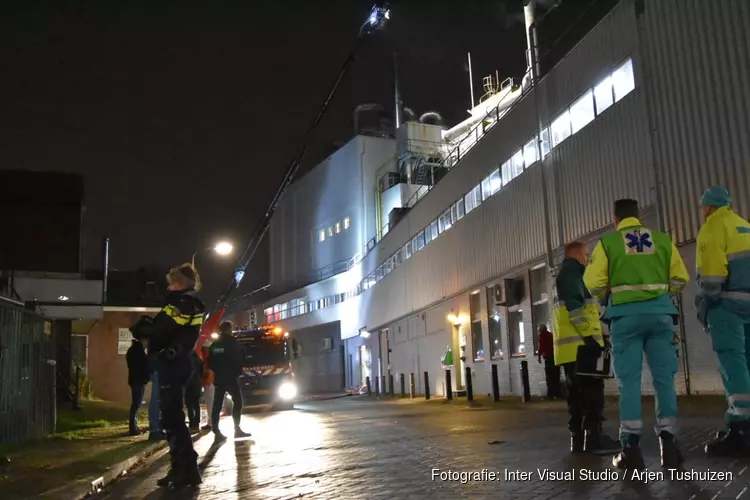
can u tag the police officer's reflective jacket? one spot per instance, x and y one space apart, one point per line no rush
177 326
576 313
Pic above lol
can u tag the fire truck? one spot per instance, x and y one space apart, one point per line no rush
267 376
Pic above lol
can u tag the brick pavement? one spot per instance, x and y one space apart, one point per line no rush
356 448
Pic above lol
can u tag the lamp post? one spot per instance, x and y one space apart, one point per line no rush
222 248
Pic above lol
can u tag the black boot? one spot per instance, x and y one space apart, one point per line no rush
186 476
733 443
576 442
630 458
166 480
671 457
599 443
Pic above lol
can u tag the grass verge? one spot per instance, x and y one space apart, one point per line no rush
88 442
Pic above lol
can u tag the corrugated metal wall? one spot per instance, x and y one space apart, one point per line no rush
696 58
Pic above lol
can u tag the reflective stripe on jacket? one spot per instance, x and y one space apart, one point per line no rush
571 326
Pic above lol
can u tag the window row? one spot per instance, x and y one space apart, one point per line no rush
335 229
582 111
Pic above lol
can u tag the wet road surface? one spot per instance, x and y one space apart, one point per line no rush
361 449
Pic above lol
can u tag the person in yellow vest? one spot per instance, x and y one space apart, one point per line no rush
577 338
723 303
637 269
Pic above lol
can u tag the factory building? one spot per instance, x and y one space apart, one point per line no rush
397 248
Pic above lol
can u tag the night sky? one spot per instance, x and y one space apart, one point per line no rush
183 116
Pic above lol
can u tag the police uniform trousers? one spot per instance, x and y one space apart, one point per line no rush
173 377
631 336
193 400
730 335
585 400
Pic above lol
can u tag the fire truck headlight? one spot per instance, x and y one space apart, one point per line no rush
287 391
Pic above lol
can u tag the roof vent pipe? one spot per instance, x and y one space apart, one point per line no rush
398 101
370 106
409 115
431 116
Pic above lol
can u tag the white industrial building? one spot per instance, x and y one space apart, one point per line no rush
393 249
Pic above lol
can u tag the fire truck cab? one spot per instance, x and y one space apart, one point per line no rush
267 376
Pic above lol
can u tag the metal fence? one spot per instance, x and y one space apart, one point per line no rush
27 374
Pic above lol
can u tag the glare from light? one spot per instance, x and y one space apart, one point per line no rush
223 248
277 330
387 14
214 335
364 334
453 319
288 391
63 297
286 335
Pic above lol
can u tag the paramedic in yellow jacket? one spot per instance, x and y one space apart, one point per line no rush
637 269
723 303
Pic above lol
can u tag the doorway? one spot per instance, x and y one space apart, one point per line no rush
459 358
365 363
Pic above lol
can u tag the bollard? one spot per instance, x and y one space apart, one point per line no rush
390 384
383 386
525 381
377 386
426 385
412 388
469 385
495 385
369 387
448 385
403 384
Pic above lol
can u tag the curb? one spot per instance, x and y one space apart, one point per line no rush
325 398
93 486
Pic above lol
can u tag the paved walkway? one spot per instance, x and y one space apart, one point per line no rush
356 448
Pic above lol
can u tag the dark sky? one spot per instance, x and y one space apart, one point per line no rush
183 116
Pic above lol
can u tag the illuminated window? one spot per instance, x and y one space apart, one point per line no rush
486 189
603 95
582 111
517 162
322 235
544 136
495 182
338 227
560 128
507 172
623 80
530 151
330 232
347 223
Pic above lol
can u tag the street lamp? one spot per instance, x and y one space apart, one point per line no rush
222 248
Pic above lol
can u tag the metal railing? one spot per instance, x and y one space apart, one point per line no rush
27 374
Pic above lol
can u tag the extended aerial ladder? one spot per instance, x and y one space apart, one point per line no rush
377 18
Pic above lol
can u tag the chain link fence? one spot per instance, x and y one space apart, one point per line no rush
27 374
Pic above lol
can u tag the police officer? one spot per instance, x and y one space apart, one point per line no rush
172 335
225 360
638 268
578 343
723 303
193 391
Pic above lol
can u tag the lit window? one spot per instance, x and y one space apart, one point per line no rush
434 229
603 95
486 190
530 152
517 162
330 232
623 80
495 182
454 213
427 235
460 209
544 136
347 223
448 220
408 249
560 128
441 223
507 173
338 227
582 111
469 202
322 235
420 240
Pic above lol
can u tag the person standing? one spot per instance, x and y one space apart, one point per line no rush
225 360
137 362
637 269
193 394
723 304
155 432
578 344
207 381
172 334
551 371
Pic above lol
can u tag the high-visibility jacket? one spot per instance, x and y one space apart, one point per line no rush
723 259
576 313
636 265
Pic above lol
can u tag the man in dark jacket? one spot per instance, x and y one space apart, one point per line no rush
585 393
551 371
193 394
172 335
137 379
225 360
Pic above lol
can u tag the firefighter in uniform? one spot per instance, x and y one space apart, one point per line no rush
578 342
723 303
172 334
638 269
